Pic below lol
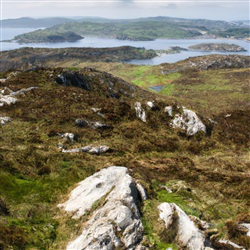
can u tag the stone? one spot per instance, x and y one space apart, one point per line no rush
201 224
169 110
6 91
116 222
68 78
98 125
98 150
87 149
22 91
166 188
7 100
4 120
94 125
73 150
227 244
247 226
188 121
140 112
142 191
68 136
81 123
150 105
96 110
188 236
7 95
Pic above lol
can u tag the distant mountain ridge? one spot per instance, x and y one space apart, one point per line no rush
28 22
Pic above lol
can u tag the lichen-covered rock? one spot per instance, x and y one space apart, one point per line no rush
169 110
7 100
68 78
188 121
4 120
81 122
91 124
114 225
3 80
7 96
150 105
68 136
188 235
22 91
247 226
87 149
227 244
140 112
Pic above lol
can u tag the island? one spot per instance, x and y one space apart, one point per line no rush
221 47
48 37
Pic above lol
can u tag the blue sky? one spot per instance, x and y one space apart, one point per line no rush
214 9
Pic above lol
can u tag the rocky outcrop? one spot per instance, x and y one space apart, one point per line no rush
100 82
183 119
4 120
140 112
247 227
7 100
186 120
169 110
227 244
7 96
87 149
76 79
91 124
187 234
116 221
215 62
67 136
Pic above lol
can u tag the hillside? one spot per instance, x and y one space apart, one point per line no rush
206 172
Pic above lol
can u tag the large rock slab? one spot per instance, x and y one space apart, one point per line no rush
87 149
188 121
188 236
114 225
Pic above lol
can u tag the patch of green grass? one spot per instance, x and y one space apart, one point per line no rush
167 90
173 76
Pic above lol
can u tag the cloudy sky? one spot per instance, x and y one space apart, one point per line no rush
213 9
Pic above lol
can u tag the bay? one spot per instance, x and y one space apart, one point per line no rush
158 44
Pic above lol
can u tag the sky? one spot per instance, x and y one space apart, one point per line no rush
228 10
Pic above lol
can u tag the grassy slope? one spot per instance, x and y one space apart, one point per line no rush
35 176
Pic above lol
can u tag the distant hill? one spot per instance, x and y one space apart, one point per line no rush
27 22
139 29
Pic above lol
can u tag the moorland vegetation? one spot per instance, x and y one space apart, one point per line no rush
208 172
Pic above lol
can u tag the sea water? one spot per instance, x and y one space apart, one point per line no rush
158 44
